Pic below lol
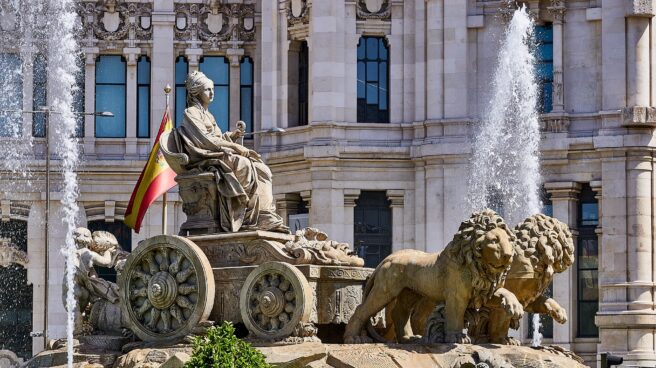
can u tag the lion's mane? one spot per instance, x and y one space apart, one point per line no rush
466 250
547 243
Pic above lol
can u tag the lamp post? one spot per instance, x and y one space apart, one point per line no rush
47 112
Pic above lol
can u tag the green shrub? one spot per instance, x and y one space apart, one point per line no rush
220 348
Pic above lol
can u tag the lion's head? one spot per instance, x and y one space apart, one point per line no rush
547 242
484 244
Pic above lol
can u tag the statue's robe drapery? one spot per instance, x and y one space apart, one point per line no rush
244 183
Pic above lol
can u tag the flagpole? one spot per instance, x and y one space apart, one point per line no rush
167 92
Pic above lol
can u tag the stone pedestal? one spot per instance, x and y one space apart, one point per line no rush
199 196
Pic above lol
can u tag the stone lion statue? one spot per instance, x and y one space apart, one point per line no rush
543 247
466 274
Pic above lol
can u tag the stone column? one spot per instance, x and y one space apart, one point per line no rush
455 59
269 64
193 55
131 55
350 196
637 60
420 207
613 69
306 197
564 198
35 267
350 60
435 59
558 11
90 100
396 82
162 63
396 198
286 204
434 207
419 49
234 56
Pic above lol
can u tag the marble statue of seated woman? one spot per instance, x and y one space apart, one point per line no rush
243 181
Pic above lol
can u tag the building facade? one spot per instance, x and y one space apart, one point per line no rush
379 100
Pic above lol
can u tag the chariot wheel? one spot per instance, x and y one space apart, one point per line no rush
275 298
167 287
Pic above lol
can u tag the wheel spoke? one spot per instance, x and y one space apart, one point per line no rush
152 263
176 313
164 265
166 320
183 275
137 293
184 302
143 309
174 267
186 289
154 318
284 285
141 275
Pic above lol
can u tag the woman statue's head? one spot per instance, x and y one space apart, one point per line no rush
200 89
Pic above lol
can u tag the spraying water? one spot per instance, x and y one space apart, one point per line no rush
505 171
44 30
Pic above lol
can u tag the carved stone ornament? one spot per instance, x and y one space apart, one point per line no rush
557 124
10 360
374 9
9 22
167 288
557 10
313 247
112 20
10 254
297 12
215 23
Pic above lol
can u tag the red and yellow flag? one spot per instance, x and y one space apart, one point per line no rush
155 179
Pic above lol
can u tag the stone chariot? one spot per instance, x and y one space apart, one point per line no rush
282 287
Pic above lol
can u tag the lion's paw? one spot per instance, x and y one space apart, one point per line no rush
457 337
357 340
507 340
412 339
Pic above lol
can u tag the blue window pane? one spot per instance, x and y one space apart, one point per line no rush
372 93
382 50
372 71
39 95
589 214
372 48
361 47
220 107
181 68
143 70
110 98
546 97
110 69
382 98
143 123
545 52
361 76
246 113
544 71
246 71
216 68
547 209
180 104
382 75
11 124
544 33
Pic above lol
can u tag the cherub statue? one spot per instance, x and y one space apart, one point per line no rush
98 249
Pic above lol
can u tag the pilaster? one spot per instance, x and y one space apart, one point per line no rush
234 56
434 207
397 203
90 101
131 55
350 196
286 204
564 198
435 59
163 60
557 9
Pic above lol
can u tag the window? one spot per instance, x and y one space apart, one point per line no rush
246 93
372 227
544 65
11 84
15 296
39 94
78 98
143 97
181 70
373 72
217 69
587 263
124 236
110 96
303 74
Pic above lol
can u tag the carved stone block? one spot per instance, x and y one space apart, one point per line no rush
639 116
249 248
199 194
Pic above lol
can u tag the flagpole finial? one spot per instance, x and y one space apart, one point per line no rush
167 89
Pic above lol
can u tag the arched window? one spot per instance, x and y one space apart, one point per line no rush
39 94
122 233
15 296
11 84
587 263
372 83
544 65
217 69
246 93
372 227
143 97
110 96
181 70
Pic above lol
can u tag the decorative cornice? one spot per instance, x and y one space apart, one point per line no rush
365 10
216 24
298 12
112 21
557 10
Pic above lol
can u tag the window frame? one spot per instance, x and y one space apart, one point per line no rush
147 86
303 84
249 87
125 97
39 119
363 113
180 89
544 83
585 233
216 88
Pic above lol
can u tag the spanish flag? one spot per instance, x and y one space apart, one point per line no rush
155 179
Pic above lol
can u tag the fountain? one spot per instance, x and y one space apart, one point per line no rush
505 173
44 32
